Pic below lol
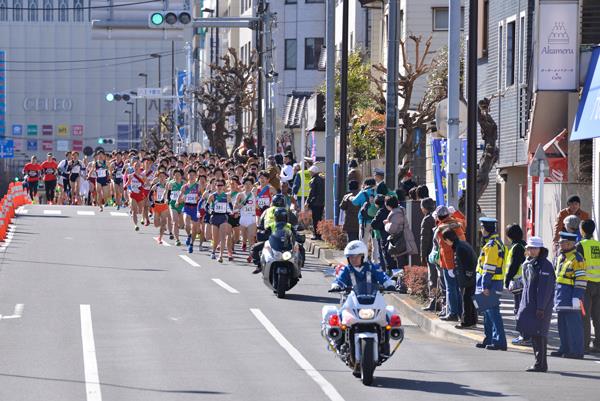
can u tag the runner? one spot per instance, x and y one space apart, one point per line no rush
32 172
64 183
174 187
136 193
161 207
50 170
246 204
234 217
219 202
74 169
116 172
102 180
264 193
149 173
189 197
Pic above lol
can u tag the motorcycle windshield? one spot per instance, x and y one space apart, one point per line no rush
281 240
366 292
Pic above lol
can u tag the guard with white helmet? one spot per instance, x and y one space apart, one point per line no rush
359 269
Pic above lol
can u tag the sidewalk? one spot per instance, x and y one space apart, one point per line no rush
412 309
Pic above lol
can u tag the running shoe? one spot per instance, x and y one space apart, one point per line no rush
118 207
244 247
171 236
231 258
178 243
190 248
220 259
249 258
137 228
147 223
213 256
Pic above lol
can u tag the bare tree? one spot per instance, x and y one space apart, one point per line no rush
489 157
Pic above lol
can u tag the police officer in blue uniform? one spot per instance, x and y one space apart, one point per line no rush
359 269
571 282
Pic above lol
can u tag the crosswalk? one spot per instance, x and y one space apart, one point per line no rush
507 306
68 212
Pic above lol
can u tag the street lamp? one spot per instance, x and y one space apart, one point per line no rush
145 76
214 36
158 56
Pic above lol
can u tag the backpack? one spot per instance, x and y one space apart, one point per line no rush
368 210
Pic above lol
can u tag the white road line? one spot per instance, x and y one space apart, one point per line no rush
314 374
86 213
21 210
90 365
225 285
189 260
17 314
52 212
164 243
119 214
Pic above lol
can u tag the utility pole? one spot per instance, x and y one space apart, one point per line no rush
342 168
144 142
330 114
391 114
270 77
259 51
471 197
454 143
196 12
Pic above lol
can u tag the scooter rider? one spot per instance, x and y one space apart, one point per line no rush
359 269
266 222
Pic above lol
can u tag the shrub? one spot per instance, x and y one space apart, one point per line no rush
416 279
332 234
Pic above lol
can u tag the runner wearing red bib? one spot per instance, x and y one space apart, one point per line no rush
32 172
49 170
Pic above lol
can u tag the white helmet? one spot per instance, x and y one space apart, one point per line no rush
356 247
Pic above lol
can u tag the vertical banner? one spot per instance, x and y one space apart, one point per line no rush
77 130
440 160
17 130
32 130
47 130
558 48
63 130
2 94
122 136
47 145
32 145
181 84
77 145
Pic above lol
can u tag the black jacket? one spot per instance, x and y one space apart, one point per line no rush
465 262
377 223
518 257
316 196
427 227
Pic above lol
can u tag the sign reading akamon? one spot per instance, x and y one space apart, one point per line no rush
557 46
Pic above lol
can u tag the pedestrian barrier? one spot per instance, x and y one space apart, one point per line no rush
14 198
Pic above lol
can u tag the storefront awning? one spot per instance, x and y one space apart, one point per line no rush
549 117
587 120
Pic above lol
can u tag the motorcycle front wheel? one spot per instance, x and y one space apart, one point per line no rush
367 361
281 284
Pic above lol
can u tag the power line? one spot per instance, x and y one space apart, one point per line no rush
82 60
82 7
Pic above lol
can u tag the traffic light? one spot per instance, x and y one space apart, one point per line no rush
169 19
116 97
106 141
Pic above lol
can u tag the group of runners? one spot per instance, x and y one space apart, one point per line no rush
209 199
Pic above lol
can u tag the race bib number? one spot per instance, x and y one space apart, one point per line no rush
49 171
33 173
191 198
249 207
263 202
220 207
119 174
175 195
101 172
135 187
76 169
160 194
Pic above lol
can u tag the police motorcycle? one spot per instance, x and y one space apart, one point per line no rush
363 328
281 259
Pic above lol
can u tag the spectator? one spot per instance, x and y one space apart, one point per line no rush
422 192
380 236
316 199
351 226
571 224
465 261
273 172
401 241
407 182
287 170
445 221
573 208
412 194
426 242
354 173
381 188
513 280
367 210
535 308
590 249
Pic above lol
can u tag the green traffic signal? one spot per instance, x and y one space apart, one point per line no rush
100 140
157 19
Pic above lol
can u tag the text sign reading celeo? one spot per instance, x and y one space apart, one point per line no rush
47 104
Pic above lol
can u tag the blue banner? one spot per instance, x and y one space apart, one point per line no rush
439 148
7 149
181 85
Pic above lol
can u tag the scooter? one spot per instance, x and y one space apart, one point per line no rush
361 331
281 260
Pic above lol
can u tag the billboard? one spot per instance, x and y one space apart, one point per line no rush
32 145
47 130
63 130
32 130
47 145
17 130
77 145
77 130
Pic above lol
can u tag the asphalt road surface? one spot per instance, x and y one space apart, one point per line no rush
92 311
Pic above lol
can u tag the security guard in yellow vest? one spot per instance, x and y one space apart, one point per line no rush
302 188
571 282
490 279
590 249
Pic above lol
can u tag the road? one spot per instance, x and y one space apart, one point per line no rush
108 314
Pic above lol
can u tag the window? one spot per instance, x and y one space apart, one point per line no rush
48 10
245 5
17 10
510 52
3 10
500 58
440 18
290 54
63 12
314 1
32 10
312 52
291 1
78 10
483 16
522 50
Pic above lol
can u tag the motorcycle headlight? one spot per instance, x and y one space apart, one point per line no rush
366 314
286 256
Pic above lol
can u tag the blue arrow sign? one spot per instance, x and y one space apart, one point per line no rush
7 149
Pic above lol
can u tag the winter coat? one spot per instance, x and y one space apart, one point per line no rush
377 224
539 280
316 196
351 210
465 263
427 227
446 252
559 224
355 175
397 222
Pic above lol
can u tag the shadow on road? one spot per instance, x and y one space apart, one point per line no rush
312 298
154 390
84 265
435 387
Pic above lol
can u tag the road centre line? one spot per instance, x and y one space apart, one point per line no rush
52 212
189 260
164 243
86 213
314 374
90 364
17 314
227 287
21 210
119 214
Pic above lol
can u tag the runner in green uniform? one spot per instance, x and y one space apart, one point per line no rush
174 188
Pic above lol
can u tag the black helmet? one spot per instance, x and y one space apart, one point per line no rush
281 215
278 200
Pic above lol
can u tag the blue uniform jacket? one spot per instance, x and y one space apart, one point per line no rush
484 280
563 297
360 199
377 275
538 279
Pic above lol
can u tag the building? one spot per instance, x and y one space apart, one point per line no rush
57 77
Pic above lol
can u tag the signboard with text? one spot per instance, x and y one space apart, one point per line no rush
7 149
47 130
77 130
32 130
47 145
439 165
32 145
62 145
557 51
62 130
77 145
17 130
